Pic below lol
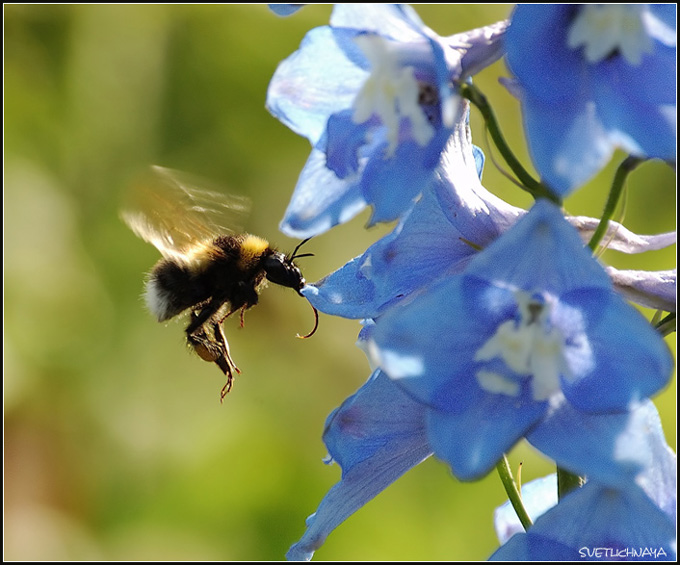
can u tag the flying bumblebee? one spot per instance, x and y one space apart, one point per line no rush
207 269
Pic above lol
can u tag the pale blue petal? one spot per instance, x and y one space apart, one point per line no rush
619 238
397 21
653 289
596 517
538 496
313 210
303 94
284 9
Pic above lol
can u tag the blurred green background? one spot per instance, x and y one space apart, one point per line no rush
116 444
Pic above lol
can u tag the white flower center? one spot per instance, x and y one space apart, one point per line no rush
530 348
391 92
602 30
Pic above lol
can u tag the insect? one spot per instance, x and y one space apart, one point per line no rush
207 269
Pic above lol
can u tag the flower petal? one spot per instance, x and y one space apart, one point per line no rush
653 289
610 448
596 522
619 238
376 435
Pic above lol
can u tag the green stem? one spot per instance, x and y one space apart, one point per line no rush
513 493
625 168
566 482
667 325
531 185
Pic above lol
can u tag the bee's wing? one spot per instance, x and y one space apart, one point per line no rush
168 209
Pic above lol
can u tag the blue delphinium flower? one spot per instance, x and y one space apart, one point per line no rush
373 94
454 219
380 433
531 324
591 78
633 519
596 522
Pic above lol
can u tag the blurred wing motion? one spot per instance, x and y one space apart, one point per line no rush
167 208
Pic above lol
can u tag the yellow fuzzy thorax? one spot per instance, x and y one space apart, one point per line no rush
252 248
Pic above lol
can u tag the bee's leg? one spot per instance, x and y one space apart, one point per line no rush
210 344
225 359
245 296
200 318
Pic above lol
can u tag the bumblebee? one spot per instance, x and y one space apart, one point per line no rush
207 269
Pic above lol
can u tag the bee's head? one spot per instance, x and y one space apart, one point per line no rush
281 269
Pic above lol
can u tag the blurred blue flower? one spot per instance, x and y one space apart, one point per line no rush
284 9
591 78
531 325
373 94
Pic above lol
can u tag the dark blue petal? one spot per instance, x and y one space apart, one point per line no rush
472 441
576 112
344 141
536 45
392 184
637 104
568 142
376 435
427 344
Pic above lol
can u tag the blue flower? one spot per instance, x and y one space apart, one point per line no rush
596 522
373 94
530 325
284 9
591 78
454 218
634 519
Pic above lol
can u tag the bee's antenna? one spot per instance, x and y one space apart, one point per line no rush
316 324
294 255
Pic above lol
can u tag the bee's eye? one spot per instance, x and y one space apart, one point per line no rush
281 271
